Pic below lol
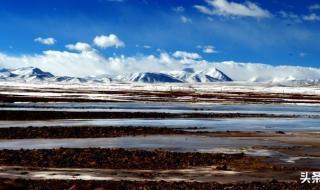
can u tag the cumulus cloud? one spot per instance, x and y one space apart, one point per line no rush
226 8
87 63
185 19
184 57
207 49
256 72
108 41
45 41
76 63
58 62
79 46
311 17
187 55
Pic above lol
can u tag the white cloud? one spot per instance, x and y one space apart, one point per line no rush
59 62
108 41
311 17
266 73
314 7
186 55
290 16
207 49
88 63
185 19
299 18
92 63
226 8
143 46
79 46
178 9
146 47
302 54
45 41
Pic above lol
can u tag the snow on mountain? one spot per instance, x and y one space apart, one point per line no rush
208 75
148 77
216 72
30 73
67 79
183 75
100 79
5 73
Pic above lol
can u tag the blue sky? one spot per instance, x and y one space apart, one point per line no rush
276 32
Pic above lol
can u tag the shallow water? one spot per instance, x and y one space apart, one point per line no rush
233 124
164 107
181 143
238 124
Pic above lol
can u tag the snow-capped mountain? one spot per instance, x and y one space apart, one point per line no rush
67 79
5 73
100 79
183 75
148 77
208 75
215 74
30 73
187 75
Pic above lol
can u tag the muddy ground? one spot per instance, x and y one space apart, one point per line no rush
115 158
102 95
55 132
119 159
148 185
83 132
249 168
45 115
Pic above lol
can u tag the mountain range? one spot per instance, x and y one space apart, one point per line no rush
187 75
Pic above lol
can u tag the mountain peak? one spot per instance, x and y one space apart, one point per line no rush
31 72
4 73
211 74
185 75
149 77
216 74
